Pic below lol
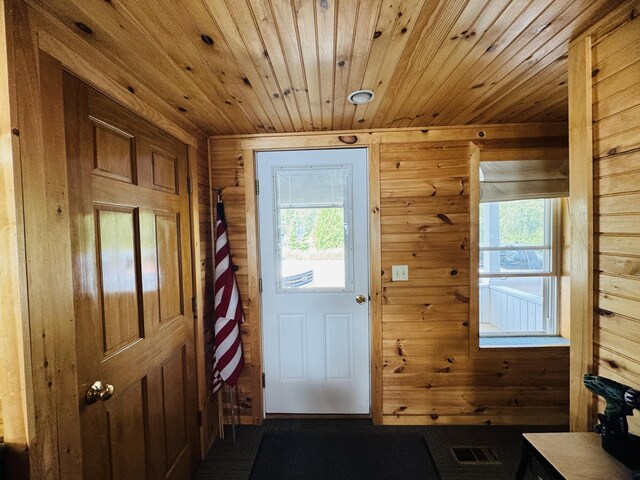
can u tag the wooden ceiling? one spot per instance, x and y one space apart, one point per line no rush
264 66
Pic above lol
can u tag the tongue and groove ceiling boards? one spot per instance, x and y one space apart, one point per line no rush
266 66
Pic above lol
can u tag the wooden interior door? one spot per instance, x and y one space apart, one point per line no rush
132 282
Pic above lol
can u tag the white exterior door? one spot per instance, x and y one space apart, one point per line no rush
313 210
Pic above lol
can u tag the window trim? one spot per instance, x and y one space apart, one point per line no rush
474 258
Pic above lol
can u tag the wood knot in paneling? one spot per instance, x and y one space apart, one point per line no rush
462 298
444 218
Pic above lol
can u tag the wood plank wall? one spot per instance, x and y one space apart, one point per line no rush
616 152
227 171
433 372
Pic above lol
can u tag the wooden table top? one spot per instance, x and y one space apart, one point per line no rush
578 456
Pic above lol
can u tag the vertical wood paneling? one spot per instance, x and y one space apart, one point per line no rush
35 86
375 285
581 208
202 249
14 401
616 123
474 250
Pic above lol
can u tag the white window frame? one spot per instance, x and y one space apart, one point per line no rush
551 288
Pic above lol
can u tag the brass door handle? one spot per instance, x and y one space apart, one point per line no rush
98 391
360 299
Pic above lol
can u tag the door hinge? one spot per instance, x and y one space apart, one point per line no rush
260 285
194 306
189 186
264 381
199 418
257 187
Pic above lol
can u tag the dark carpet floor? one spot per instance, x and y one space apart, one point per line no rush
227 461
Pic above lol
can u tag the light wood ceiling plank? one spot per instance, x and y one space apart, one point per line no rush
114 35
326 35
307 38
164 30
271 90
531 93
378 77
471 28
545 65
267 30
531 34
550 94
252 84
222 62
368 12
388 31
534 32
553 113
345 32
539 98
549 33
285 21
490 44
429 35
559 100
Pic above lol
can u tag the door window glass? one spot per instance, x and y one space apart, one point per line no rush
313 242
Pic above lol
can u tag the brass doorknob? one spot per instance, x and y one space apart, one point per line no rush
98 391
360 299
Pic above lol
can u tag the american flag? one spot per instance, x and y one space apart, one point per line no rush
228 361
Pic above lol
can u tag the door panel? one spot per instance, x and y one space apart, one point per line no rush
168 242
292 343
126 431
314 262
114 152
164 172
338 346
118 283
132 273
173 385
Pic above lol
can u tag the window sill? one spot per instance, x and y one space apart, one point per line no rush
519 342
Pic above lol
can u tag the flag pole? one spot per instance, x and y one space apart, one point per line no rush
221 415
233 415
221 419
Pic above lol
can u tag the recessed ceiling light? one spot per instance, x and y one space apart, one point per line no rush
360 97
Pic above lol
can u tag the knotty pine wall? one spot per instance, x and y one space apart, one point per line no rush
616 152
430 368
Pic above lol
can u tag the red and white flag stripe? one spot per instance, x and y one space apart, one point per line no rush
228 362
